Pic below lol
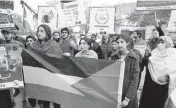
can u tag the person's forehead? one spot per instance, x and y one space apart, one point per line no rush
41 28
64 31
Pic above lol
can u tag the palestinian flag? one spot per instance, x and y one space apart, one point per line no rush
73 82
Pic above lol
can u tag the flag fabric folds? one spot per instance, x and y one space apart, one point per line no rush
73 82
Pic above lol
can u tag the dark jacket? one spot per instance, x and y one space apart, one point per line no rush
96 47
131 76
106 48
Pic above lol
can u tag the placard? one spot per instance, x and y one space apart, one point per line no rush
10 67
6 18
101 19
47 15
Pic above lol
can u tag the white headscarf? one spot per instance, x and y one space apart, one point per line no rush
161 64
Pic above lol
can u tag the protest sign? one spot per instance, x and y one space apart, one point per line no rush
47 15
6 18
10 67
101 19
156 5
141 49
73 14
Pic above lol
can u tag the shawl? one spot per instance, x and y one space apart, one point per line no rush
161 65
90 54
50 48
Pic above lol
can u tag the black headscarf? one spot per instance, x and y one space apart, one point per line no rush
47 30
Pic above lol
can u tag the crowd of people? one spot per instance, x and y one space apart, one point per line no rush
159 60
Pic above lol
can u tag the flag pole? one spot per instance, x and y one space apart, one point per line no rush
121 78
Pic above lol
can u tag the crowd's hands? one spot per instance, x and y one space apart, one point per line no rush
125 103
67 54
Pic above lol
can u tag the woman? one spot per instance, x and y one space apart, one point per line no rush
131 74
45 44
57 36
161 67
49 47
84 45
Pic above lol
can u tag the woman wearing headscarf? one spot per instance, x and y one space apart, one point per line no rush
85 45
131 73
161 66
45 44
50 47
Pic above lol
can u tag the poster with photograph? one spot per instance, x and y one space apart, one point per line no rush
10 67
47 15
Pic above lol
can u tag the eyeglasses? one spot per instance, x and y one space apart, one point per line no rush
162 42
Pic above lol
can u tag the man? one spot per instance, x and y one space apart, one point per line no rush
137 37
65 42
106 46
96 47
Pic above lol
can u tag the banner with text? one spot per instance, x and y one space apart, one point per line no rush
156 5
101 19
6 18
10 67
47 15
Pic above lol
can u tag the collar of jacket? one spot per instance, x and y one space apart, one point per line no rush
131 54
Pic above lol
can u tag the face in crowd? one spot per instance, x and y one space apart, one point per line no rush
114 45
93 38
29 41
121 44
8 36
84 45
41 33
135 35
161 44
56 36
64 34
105 36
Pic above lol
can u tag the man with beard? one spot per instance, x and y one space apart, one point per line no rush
105 45
96 47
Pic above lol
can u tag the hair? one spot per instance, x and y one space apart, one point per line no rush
114 40
32 37
87 40
47 31
65 29
127 39
162 23
138 33
56 32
